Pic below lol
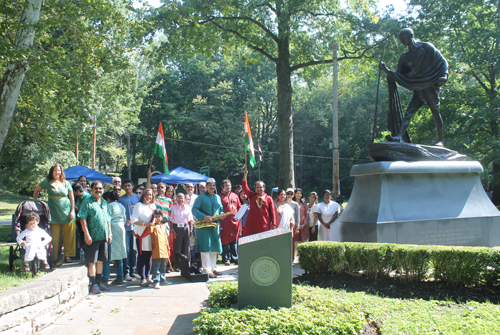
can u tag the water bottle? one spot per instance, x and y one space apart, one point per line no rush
82 255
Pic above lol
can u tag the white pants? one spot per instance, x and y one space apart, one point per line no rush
209 261
35 249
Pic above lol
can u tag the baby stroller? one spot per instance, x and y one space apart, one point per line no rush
18 225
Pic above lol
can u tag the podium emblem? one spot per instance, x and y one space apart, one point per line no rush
265 271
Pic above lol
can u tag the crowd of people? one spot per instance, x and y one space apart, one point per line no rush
143 230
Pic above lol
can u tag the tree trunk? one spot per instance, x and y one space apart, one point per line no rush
285 119
496 167
15 70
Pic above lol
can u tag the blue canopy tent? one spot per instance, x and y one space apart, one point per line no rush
179 175
72 173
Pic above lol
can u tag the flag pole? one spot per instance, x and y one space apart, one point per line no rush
246 156
260 156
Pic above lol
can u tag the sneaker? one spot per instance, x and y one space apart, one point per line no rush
136 276
227 263
117 282
166 282
144 282
157 286
150 281
94 289
128 278
103 287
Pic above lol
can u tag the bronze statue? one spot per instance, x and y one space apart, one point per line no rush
422 69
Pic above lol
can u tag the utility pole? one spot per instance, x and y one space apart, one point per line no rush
335 189
129 169
77 145
94 145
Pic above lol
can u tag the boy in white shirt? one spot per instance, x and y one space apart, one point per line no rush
36 240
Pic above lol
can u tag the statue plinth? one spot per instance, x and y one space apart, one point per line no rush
431 202
398 151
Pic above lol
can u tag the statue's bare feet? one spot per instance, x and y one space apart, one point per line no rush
439 144
390 138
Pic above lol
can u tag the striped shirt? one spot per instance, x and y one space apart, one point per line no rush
164 204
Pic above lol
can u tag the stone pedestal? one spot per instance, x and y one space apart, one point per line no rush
424 202
265 269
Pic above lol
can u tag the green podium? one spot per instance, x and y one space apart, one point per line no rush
265 269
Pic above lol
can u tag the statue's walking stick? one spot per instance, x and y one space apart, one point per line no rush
376 100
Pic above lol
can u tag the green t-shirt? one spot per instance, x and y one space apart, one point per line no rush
59 203
80 201
97 217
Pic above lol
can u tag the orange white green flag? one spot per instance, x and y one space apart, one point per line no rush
161 151
249 141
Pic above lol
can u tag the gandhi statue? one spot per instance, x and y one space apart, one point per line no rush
422 69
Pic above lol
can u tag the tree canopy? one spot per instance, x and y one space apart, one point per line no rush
294 35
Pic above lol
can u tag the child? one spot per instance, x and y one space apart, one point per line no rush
159 240
36 240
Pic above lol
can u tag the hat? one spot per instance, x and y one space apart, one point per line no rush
289 190
211 180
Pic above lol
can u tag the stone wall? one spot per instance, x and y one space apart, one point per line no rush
29 308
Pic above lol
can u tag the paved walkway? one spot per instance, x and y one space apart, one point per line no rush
131 309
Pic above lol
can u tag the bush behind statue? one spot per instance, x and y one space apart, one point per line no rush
453 265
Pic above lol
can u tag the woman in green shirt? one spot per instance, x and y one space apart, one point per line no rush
62 211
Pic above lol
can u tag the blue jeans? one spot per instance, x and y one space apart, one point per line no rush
106 271
131 260
158 267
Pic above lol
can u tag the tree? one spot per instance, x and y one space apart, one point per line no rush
199 100
84 58
294 35
15 70
470 36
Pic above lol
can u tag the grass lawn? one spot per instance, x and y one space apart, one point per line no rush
329 311
15 278
5 233
8 204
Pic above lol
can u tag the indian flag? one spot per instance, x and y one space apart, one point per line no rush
249 141
161 151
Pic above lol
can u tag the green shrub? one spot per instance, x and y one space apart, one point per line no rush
411 262
223 294
491 274
322 257
454 265
312 313
372 258
462 265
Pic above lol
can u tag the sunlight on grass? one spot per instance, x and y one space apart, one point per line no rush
8 204
15 278
393 315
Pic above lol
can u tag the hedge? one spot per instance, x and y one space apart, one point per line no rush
453 265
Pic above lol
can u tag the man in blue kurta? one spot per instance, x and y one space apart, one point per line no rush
208 242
